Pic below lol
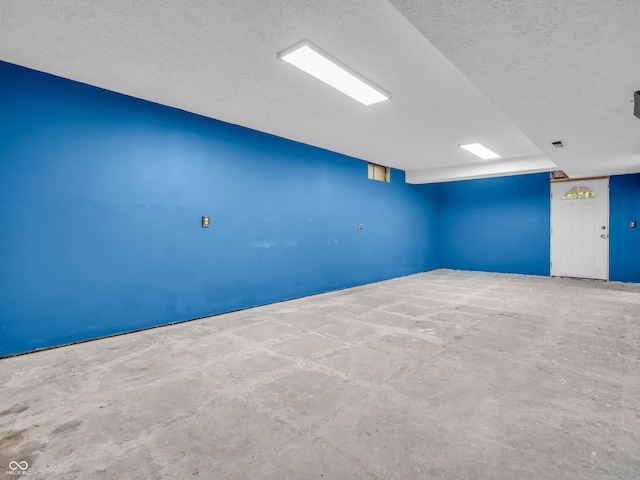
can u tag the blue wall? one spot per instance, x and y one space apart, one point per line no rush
496 224
624 242
502 225
101 197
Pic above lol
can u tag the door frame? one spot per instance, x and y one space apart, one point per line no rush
574 182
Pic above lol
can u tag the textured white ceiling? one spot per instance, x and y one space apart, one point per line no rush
219 59
558 69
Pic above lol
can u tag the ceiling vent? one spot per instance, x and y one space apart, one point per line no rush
558 144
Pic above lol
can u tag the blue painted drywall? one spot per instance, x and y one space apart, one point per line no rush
101 197
502 225
495 224
624 242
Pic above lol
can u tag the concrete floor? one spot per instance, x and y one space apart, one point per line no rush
442 375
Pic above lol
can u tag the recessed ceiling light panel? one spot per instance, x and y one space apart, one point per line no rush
480 150
314 61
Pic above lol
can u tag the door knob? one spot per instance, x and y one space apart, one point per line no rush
603 236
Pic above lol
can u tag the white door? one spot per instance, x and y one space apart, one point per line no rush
580 229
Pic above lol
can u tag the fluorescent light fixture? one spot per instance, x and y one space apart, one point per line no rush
317 63
480 150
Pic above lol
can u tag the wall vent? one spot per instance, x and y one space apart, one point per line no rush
558 144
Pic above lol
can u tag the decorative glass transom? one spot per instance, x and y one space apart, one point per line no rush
578 193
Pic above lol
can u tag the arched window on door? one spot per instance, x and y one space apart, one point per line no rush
578 193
